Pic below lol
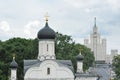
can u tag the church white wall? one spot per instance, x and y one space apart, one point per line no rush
86 78
13 74
46 49
79 66
56 72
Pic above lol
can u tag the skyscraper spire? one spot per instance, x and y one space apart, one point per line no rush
95 22
95 27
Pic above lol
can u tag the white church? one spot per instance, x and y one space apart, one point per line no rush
46 66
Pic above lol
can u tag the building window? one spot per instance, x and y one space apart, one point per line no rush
48 71
47 47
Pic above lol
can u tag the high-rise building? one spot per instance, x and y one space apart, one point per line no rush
96 44
110 57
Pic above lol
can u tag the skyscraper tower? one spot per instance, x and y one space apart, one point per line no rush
97 45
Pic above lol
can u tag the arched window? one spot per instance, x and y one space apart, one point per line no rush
47 47
48 71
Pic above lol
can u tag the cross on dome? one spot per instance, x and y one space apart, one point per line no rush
81 51
13 56
46 17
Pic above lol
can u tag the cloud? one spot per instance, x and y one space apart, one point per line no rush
5 30
114 4
4 26
82 3
31 28
71 17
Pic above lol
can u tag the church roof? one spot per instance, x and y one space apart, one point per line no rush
36 63
13 64
79 57
66 63
30 63
102 70
46 33
85 75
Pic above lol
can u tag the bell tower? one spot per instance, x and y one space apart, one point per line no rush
13 67
79 59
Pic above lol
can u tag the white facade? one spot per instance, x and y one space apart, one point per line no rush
48 68
56 72
80 67
97 45
46 49
110 57
86 78
13 74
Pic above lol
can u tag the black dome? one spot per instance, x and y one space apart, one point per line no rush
79 57
46 33
13 64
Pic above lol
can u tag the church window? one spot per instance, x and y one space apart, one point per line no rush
48 71
47 47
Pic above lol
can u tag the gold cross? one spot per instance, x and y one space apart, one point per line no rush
13 56
46 16
81 49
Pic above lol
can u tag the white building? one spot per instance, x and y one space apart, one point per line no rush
110 57
97 45
47 67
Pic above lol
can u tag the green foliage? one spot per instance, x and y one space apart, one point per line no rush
3 71
116 66
23 48
65 48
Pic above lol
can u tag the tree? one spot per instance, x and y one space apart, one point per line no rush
116 66
3 72
66 48
23 48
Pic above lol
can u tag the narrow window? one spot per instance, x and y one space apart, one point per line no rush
47 47
48 71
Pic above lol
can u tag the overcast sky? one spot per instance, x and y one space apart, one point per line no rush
24 18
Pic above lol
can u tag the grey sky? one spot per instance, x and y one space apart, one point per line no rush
23 18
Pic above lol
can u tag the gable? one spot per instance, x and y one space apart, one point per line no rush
56 69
